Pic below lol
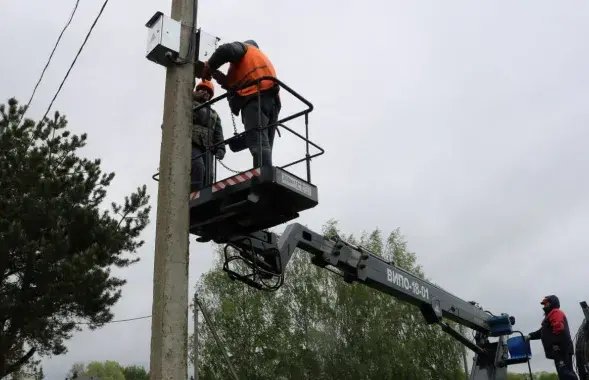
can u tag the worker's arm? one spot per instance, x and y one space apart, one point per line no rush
231 52
535 335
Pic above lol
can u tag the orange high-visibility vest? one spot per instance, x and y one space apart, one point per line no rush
252 66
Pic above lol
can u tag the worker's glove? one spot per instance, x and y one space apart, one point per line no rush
528 337
220 153
205 74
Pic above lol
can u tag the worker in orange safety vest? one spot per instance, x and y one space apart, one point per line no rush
247 63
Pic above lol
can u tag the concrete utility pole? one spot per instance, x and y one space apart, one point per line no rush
169 328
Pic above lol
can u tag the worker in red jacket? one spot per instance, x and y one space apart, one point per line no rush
246 64
556 338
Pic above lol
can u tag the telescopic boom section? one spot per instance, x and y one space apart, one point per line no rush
358 264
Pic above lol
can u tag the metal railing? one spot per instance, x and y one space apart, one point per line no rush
209 150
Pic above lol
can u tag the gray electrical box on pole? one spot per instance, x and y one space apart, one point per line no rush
169 328
163 41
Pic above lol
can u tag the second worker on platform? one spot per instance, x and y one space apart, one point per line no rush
207 131
248 63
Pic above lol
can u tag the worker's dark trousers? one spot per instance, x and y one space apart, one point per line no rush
198 169
564 367
269 115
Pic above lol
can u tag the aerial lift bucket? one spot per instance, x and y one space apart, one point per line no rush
259 198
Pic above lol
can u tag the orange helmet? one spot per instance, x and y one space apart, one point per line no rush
207 85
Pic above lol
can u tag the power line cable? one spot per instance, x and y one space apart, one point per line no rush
57 93
71 67
76 58
119 320
49 60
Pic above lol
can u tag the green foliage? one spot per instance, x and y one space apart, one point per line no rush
57 244
319 327
109 370
546 376
536 376
134 372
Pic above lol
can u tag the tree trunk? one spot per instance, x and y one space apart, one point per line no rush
6 370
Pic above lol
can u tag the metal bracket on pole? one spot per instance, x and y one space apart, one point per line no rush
217 339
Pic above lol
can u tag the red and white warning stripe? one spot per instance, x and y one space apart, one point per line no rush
238 178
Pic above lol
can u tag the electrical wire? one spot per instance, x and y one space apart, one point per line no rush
61 86
71 67
75 58
119 320
49 61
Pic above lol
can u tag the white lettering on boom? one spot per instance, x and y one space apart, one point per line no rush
407 284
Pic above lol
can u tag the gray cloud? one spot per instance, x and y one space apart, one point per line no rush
464 124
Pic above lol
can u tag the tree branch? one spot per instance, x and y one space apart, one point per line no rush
19 363
17 323
123 217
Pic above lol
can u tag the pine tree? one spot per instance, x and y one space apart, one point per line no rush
57 241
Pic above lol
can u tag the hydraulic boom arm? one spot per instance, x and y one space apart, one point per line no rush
360 265
268 256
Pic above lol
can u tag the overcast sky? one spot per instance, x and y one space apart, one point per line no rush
462 123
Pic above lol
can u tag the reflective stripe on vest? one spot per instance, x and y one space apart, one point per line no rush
252 66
